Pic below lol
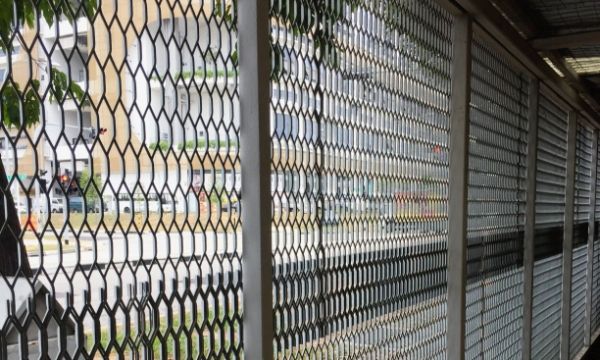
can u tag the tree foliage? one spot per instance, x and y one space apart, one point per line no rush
62 88
12 98
89 185
22 107
317 20
24 12
313 18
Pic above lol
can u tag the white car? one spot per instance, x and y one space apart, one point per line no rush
167 207
56 206
21 208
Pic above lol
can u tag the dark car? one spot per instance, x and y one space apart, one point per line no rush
76 204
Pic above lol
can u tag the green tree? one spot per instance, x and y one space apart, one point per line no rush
313 18
89 186
21 108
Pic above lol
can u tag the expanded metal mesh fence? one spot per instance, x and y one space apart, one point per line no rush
595 276
119 143
360 124
120 185
497 185
583 169
595 315
578 316
549 228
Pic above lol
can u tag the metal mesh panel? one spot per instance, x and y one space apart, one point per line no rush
595 315
120 229
549 229
583 170
127 186
578 299
360 126
583 173
497 170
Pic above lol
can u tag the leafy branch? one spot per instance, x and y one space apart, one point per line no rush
12 97
22 107
89 185
61 87
313 18
228 12
26 10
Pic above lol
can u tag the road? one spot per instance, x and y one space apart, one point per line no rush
128 264
124 263
131 269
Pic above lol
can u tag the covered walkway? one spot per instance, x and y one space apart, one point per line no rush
300 179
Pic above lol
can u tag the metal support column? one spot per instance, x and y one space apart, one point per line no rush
567 254
528 243
457 198
255 142
590 250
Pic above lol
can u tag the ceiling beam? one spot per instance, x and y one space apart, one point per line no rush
525 19
492 20
531 25
575 28
591 77
573 78
566 41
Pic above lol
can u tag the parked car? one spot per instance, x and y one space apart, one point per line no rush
94 206
234 206
167 205
56 206
125 204
76 204
21 207
395 225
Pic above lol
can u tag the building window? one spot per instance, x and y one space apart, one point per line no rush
286 125
184 104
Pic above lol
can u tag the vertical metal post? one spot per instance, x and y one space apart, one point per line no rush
590 250
457 196
567 263
529 240
254 54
